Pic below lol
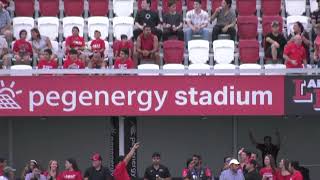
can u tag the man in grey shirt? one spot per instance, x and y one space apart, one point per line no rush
226 20
233 173
5 20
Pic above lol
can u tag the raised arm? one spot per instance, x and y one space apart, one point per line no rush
252 138
131 153
278 143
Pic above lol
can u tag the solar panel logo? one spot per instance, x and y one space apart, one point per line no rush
7 95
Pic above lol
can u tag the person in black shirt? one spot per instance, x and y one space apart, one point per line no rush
252 171
172 23
157 171
267 147
147 17
97 171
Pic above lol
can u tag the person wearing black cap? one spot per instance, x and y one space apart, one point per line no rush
157 171
252 171
97 171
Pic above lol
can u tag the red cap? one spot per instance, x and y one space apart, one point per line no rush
96 157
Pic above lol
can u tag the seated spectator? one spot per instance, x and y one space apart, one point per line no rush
147 47
226 20
197 21
315 19
39 43
274 44
97 61
294 53
98 45
5 19
123 44
76 42
35 174
72 61
147 17
298 29
172 23
4 56
46 61
316 55
22 49
294 170
124 61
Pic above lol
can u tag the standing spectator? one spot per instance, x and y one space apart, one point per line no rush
73 62
316 55
243 157
274 44
147 17
315 19
8 174
124 43
97 171
124 61
5 19
197 21
283 173
226 162
172 23
75 42
252 171
295 174
226 20
46 61
120 172
35 174
254 156
188 173
267 147
233 173
52 171
298 29
200 171
156 170
39 43
147 47
268 172
72 171
98 45
32 164
3 164
4 56
22 49
97 62
294 53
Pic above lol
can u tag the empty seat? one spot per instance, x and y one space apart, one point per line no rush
165 6
148 67
295 7
249 51
20 23
70 22
73 7
247 27
246 7
173 67
304 20
266 23
49 26
250 66
191 2
119 10
223 51
98 7
271 7
154 5
229 67
198 67
24 8
20 70
122 25
99 23
173 51
274 67
49 7
198 51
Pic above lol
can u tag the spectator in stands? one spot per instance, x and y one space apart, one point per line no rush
46 61
97 171
172 23
35 174
252 173
233 172
147 47
316 55
197 22
295 54
226 162
243 157
30 166
3 164
124 61
72 171
5 19
22 49
52 171
254 156
298 29
97 62
72 61
147 17
226 20
268 172
283 173
295 174
4 56
189 173
274 45
123 44
315 19
98 45
120 172
267 147
8 174
75 42
156 170
201 172
39 42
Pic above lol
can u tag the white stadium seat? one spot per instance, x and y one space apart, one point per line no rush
20 23
123 25
198 67
304 20
224 67
274 66
20 69
173 67
99 23
70 22
123 7
148 67
295 7
313 5
55 47
198 51
223 51
49 26
250 66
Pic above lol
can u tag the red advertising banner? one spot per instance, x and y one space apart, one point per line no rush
141 95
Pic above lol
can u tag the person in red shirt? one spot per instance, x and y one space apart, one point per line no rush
269 170
52 171
147 47
189 168
46 61
124 61
120 172
294 53
123 44
72 171
3 164
75 41
293 168
97 62
22 49
98 45
283 172
73 62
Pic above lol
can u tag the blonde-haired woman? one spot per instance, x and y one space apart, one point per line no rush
53 170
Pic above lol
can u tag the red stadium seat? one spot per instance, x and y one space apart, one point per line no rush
271 7
246 7
24 7
247 27
215 4
73 7
165 6
49 7
266 23
99 7
248 51
203 4
173 51
154 5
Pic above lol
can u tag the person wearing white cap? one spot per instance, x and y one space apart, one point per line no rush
233 173
8 173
